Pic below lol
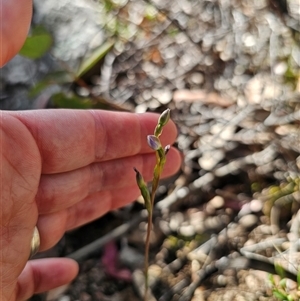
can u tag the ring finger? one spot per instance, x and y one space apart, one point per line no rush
53 226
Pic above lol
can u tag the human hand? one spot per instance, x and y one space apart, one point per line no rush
61 169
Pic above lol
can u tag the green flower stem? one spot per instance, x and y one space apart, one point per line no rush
147 245
160 162
154 143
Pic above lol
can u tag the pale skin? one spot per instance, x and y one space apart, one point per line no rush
59 170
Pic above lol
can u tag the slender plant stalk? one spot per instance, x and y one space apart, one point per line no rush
155 144
147 245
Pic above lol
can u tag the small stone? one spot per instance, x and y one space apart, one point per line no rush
221 280
153 104
228 132
286 129
249 242
199 295
234 231
142 108
154 273
164 96
286 245
197 218
249 221
197 78
210 159
265 229
212 222
175 221
200 228
280 68
217 202
187 231
251 281
210 209
245 210
256 205
195 266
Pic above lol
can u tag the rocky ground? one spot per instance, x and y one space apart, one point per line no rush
229 72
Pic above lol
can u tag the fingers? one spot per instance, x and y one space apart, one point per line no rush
69 139
53 226
60 191
99 204
44 274
14 26
91 192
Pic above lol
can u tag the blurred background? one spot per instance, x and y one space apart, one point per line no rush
229 72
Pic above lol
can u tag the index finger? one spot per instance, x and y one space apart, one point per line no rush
71 139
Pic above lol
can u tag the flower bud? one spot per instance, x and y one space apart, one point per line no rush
139 179
164 117
144 190
153 142
167 148
162 121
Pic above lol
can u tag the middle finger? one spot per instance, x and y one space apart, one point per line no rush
59 191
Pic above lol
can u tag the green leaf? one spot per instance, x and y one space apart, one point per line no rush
282 283
57 77
71 102
281 296
279 270
38 88
60 77
150 12
298 278
96 56
173 31
108 5
290 298
37 44
271 279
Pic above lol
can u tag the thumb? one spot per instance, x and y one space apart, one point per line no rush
15 17
41 275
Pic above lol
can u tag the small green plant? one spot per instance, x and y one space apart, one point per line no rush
155 144
280 289
37 43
